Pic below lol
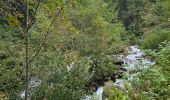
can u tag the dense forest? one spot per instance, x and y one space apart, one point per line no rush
84 49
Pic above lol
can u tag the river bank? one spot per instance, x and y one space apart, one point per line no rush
130 62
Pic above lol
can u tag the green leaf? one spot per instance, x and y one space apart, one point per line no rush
12 20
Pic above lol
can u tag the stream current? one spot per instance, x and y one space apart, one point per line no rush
131 61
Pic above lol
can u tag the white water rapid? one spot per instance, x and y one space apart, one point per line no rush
99 93
131 61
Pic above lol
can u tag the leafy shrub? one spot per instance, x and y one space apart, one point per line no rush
162 58
60 82
153 82
112 92
152 41
149 84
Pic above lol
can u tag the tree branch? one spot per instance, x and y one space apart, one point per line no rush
22 31
34 14
45 37
37 8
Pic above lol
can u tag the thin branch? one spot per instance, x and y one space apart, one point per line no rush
21 30
45 37
33 26
35 12
33 15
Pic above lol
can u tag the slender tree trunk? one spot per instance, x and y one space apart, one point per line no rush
26 52
26 66
27 29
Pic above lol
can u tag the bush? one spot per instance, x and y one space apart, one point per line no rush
112 92
152 41
153 83
149 84
162 58
58 82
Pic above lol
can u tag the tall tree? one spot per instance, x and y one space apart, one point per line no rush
129 12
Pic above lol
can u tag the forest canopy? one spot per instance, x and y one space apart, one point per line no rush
67 49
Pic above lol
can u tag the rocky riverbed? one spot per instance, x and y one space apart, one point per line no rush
129 63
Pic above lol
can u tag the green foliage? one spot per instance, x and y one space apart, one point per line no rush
102 66
149 84
11 74
130 14
81 37
161 57
156 16
153 82
77 49
152 41
112 92
59 83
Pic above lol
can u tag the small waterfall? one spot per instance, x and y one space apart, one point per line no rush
99 93
135 56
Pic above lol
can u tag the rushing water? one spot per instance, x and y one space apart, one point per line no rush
99 93
132 61
134 57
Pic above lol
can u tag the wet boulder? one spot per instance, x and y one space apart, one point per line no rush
114 77
123 69
120 63
93 88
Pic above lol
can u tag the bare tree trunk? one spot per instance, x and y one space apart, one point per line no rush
26 32
26 52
